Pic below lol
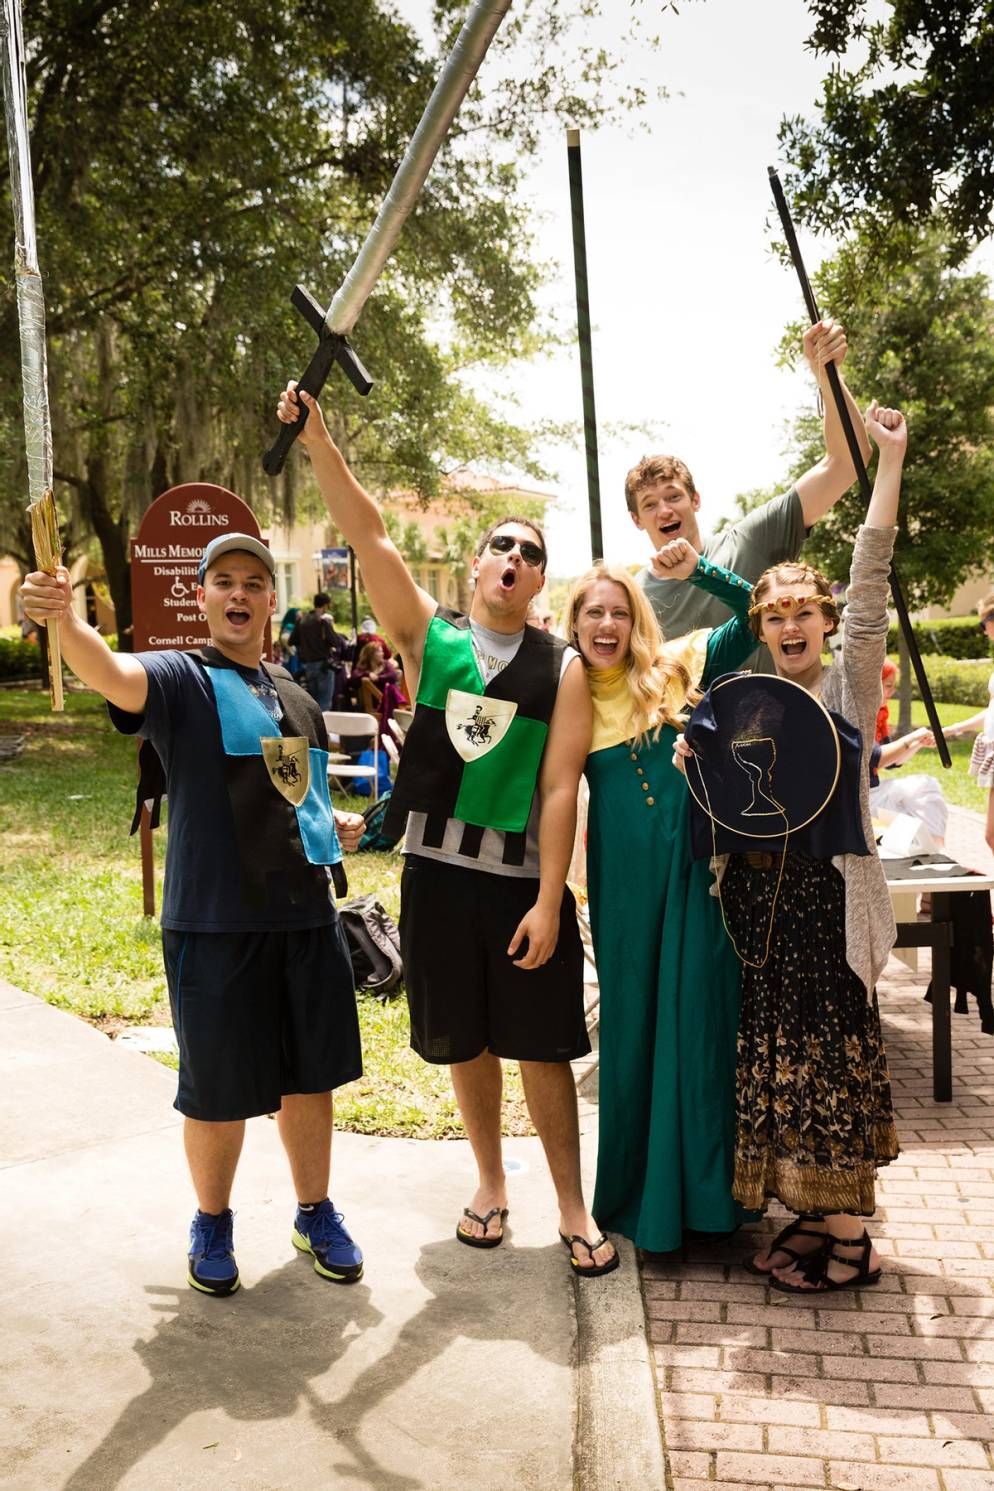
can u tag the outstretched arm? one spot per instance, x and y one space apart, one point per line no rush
864 643
119 676
821 487
896 752
965 727
890 433
730 644
401 606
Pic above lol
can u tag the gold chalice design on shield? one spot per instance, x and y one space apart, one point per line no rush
757 758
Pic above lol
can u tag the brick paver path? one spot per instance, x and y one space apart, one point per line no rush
888 1390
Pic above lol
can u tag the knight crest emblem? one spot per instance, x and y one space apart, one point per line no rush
288 761
475 723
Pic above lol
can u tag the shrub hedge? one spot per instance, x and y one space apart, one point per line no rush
19 659
955 680
953 637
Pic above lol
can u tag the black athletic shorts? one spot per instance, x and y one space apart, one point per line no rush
464 992
260 1014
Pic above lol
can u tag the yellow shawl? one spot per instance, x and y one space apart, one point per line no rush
613 720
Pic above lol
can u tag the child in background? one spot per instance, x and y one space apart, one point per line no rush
982 760
916 794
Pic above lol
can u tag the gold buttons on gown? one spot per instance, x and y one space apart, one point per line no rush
650 802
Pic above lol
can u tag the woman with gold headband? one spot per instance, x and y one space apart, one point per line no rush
814 931
669 980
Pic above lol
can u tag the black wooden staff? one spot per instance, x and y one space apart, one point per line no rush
583 336
897 595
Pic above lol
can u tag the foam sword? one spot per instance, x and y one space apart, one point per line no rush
897 594
31 319
333 325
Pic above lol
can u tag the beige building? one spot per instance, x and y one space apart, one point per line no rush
297 551
963 603
88 590
10 579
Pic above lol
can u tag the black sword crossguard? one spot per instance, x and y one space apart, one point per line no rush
332 348
897 594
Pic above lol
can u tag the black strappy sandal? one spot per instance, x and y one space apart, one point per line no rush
483 1242
779 1245
596 1269
814 1270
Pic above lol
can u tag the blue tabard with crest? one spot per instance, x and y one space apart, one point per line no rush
276 776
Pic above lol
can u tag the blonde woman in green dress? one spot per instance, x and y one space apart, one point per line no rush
669 980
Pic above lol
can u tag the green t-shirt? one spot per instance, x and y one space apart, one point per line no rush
771 534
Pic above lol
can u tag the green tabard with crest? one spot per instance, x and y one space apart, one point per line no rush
473 751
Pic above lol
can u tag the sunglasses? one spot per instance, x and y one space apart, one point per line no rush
503 543
785 604
987 616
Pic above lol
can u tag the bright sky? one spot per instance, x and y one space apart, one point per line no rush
687 302
686 299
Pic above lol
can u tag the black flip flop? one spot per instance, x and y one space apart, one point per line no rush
597 1269
482 1242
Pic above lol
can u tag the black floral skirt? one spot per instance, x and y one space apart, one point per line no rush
814 1113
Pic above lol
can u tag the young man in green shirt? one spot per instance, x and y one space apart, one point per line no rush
487 791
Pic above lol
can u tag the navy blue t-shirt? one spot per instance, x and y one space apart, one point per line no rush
203 873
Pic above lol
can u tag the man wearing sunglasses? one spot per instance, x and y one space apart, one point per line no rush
663 502
486 791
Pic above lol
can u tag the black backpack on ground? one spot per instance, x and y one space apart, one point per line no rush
373 836
374 946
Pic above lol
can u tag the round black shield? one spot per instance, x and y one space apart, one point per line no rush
766 755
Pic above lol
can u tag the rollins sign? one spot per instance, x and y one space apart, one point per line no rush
164 562
197 517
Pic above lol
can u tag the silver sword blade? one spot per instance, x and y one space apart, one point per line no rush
453 84
30 293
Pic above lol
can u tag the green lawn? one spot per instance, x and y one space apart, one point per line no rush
72 929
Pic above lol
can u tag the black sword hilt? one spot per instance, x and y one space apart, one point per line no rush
332 348
835 384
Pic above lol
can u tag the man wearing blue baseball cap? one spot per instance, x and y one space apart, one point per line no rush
260 981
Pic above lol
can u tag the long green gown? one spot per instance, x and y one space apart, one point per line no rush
669 983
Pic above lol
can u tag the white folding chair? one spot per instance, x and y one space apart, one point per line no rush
392 742
342 724
402 719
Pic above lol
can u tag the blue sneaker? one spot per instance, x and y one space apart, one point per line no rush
320 1232
213 1269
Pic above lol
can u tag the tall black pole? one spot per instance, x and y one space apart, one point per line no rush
897 594
583 336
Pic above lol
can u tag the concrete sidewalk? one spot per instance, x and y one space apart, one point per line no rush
445 1367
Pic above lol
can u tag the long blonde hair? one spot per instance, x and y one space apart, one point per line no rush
650 674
